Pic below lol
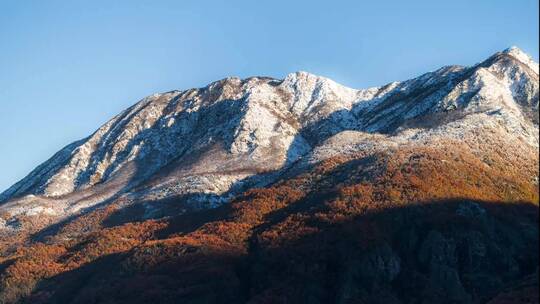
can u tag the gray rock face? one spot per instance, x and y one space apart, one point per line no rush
380 265
438 255
437 250
206 144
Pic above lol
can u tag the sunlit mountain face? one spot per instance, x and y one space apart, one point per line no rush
295 190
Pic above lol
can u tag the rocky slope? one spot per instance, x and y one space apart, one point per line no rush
205 144
358 192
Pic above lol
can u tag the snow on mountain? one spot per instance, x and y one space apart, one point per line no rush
204 145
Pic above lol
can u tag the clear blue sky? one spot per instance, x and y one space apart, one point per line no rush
66 67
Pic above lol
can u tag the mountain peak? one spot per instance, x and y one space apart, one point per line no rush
209 140
511 49
522 57
303 76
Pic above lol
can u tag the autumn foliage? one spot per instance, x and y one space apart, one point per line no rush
288 242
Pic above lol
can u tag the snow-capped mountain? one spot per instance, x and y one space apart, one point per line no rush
203 146
298 190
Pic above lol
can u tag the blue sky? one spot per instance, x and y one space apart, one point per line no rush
66 67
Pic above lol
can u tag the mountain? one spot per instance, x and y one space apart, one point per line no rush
205 144
262 190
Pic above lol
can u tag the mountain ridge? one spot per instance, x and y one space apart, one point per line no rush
294 190
269 124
